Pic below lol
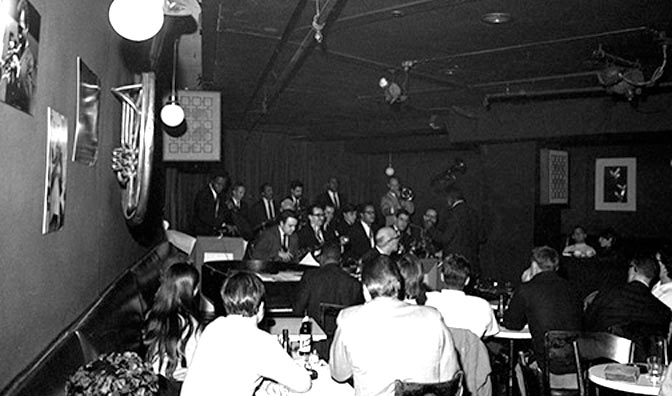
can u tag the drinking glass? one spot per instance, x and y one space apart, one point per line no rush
654 364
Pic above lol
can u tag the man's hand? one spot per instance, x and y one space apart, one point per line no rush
285 256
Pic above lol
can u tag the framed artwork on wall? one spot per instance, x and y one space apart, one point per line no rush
20 28
616 184
85 149
553 177
55 173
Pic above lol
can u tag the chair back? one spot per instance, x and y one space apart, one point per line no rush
595 346
328 314
559 358
452 387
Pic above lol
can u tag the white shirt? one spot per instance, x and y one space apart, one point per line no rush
233 356
663 292
464 312
579 250
367 230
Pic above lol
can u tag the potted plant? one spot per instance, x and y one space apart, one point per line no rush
114 374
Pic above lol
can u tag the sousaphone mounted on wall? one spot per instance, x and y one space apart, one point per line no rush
132 162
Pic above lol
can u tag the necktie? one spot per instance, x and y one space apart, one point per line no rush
267 206
318 236
285 241
372 241
217 207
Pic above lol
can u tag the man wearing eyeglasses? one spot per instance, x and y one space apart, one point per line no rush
311 238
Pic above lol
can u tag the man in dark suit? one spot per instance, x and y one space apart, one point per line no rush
331 196
312 237
631 311
210 212
264 211
279 242
362 235
327 284
239 212
460 232
545 302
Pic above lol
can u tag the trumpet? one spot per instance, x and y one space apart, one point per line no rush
407 194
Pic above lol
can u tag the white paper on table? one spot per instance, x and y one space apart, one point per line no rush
217 256
309 260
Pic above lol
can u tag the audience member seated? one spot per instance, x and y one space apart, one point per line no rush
172 327
312 237
386 339
411 272
344 228
362 234
279 242
631 311
387 244
608 245
330 223
579 248
545 302
662 290
234 357
458 309
327 284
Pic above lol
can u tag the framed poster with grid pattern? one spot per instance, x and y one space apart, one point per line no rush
554 177
202 141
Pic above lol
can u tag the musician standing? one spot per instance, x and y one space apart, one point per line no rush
239 212
391 202
210 212
263 211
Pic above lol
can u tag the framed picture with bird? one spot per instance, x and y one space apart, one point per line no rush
616 184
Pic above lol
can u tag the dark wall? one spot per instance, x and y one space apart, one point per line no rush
654 190
46 281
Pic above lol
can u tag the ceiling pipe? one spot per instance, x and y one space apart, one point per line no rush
289 27
306 47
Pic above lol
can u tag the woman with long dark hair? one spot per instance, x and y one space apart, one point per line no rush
414 286
172 326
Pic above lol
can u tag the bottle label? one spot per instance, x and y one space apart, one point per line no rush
304 344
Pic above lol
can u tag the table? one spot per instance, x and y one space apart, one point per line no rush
324 385
293 325
512 335
643 386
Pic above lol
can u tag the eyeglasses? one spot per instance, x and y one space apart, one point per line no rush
318 214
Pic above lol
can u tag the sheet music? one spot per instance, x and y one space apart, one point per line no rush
217 256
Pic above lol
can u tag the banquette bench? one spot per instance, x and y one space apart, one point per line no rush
113 323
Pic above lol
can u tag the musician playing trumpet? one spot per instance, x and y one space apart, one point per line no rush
394 200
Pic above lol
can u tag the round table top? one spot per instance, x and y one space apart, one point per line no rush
643 386
509 334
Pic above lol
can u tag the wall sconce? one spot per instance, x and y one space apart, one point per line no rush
172 113
393 92
136 20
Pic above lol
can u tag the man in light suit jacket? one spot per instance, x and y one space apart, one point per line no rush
392 202
278 243
373 343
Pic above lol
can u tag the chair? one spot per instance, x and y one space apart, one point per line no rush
452 387
596 347
559 359
328 314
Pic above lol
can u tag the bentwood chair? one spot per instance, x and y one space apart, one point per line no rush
559 359
453 387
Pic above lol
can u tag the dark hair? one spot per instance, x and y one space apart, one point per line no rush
546 257
609 233
312 207
263 187
217 174
455 270
453 193
665 254
348 207
242 294
411 272
646 265
170 321
286 214
381 278
331 253
362 207
295 183
237 184
402 212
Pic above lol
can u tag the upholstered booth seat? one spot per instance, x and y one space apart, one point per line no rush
113 323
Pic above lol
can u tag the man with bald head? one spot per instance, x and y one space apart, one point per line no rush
387 243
